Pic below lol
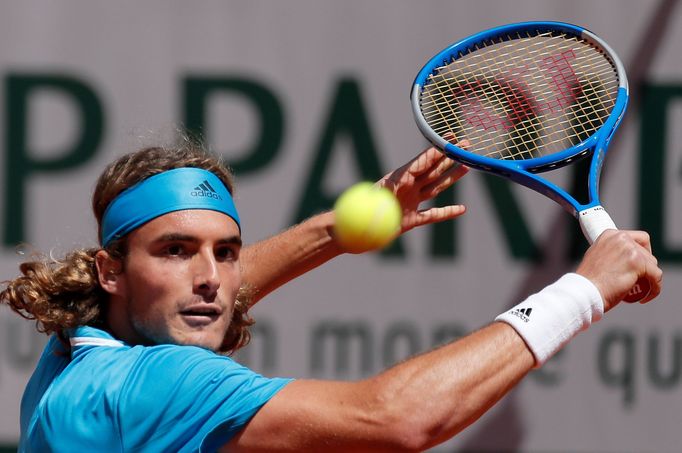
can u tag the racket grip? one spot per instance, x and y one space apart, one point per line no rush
594 221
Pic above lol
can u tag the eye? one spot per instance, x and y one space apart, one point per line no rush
226 254
175 250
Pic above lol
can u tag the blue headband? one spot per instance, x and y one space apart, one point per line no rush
172 190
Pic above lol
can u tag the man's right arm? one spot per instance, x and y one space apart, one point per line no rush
428 399
410 407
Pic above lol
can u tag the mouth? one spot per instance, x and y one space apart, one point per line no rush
201 314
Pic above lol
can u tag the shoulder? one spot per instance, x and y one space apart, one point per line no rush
160 371
183 394
165 396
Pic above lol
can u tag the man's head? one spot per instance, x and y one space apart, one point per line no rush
166 277
171 241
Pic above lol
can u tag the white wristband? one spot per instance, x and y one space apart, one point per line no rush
549 319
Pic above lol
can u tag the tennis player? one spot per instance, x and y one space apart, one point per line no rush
142 326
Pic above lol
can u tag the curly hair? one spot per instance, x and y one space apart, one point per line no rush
63 294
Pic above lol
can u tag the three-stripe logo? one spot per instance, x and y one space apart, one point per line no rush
205 190
522 313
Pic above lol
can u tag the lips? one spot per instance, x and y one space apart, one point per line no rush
201 314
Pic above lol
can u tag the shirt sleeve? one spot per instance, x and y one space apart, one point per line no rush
184 398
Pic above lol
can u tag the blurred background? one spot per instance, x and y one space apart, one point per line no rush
304 98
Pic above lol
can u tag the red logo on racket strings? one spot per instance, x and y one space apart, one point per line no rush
513 96
564 81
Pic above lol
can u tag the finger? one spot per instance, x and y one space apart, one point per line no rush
420 167
464 143
391 182
642 238
657 286
451 176
438 168
418 164
648 273
397 178
653 274
424 161
434 215
655 279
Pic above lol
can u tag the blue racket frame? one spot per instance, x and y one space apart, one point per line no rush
525 171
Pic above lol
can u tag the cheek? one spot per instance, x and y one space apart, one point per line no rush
231 280
150 285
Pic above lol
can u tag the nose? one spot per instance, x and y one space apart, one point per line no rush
206 277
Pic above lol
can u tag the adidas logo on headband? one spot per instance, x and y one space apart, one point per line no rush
205 190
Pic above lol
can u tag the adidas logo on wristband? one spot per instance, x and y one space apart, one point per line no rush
522 313
560 311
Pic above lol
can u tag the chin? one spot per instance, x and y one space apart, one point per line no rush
201 340
213 343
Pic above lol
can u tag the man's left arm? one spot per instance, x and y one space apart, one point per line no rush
269 264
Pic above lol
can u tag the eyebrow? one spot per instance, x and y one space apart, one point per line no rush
170 237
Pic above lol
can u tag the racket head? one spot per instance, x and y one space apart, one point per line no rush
527 98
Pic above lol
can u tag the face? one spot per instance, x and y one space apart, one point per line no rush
179 280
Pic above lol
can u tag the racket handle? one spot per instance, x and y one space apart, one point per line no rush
594 221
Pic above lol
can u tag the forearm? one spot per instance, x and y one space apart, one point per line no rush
440 393
269 264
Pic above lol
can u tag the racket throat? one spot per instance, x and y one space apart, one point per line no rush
594 221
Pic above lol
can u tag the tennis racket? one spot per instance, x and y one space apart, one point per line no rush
527 98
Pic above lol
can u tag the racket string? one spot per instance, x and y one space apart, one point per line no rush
520 97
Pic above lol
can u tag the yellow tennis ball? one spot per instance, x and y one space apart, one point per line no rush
367 217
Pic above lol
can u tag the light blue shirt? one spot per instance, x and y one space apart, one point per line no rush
109 396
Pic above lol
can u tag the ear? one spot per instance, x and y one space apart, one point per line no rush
110 273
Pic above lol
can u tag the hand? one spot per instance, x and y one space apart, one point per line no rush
615 262
422 179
